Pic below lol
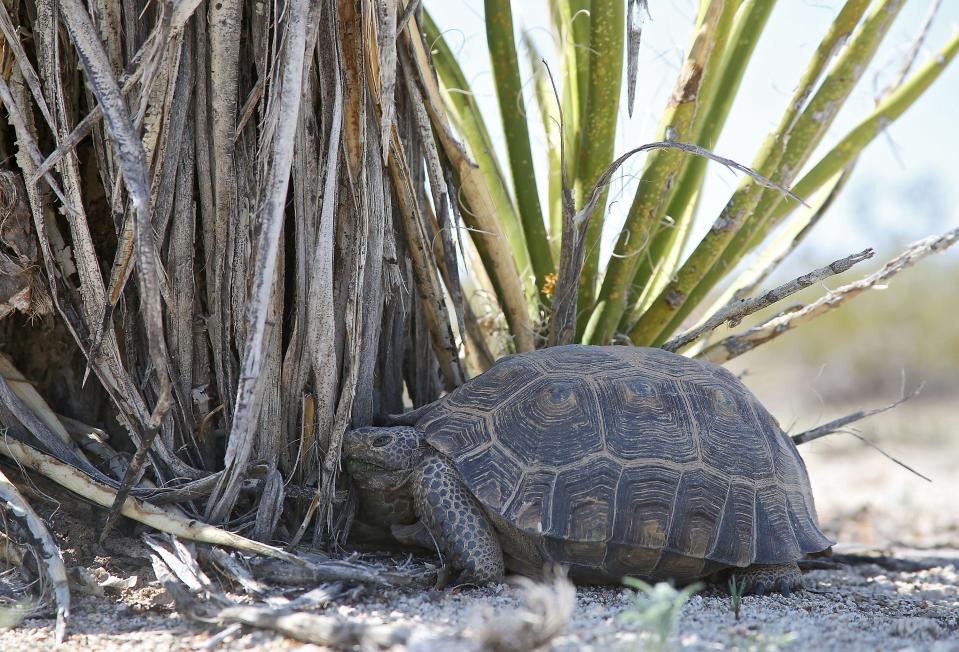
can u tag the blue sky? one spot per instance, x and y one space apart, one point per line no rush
904 188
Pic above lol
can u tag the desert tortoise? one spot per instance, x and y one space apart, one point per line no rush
612 461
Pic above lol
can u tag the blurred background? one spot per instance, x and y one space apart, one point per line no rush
905 187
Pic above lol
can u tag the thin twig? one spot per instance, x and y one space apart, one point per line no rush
818 213
857 435
689 148
736 345
913 54
736 310
837 425
840 426
407 14
908 61
98 492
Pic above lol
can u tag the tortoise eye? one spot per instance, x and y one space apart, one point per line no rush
381 441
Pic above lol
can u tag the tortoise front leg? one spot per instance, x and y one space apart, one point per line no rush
457 522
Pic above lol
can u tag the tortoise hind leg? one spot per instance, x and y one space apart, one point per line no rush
458 525
760 579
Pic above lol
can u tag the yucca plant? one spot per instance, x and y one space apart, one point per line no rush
232 230
649 288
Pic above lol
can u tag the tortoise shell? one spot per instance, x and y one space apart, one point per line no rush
627 460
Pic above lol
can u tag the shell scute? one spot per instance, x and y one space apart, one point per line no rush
513 372
458 432
790 469
495 477
551 422
730 437
772 516
805 523
645 498
584 501
736 535
530 507
698 509
580 361
647 417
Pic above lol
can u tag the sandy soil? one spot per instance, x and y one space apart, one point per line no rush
865 502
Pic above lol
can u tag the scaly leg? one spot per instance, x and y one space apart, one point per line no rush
457 522
760 579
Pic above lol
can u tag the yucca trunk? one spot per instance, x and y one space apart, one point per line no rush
227 204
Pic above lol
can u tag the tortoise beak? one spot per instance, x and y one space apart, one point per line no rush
354 443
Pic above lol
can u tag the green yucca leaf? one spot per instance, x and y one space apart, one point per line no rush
549 112
830 174
648 291
502 48
579 12
597 140
657 181
785 151
468 120
888 110
840 156
720 87
563 24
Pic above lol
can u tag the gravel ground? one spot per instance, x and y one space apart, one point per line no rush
908 602
859 607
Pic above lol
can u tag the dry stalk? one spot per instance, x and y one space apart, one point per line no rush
69 477
736 345
545 609
480 216
18 509
736 310
198 599
837 425
339 633
854 433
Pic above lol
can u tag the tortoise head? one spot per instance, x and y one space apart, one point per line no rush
380 461
381 449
